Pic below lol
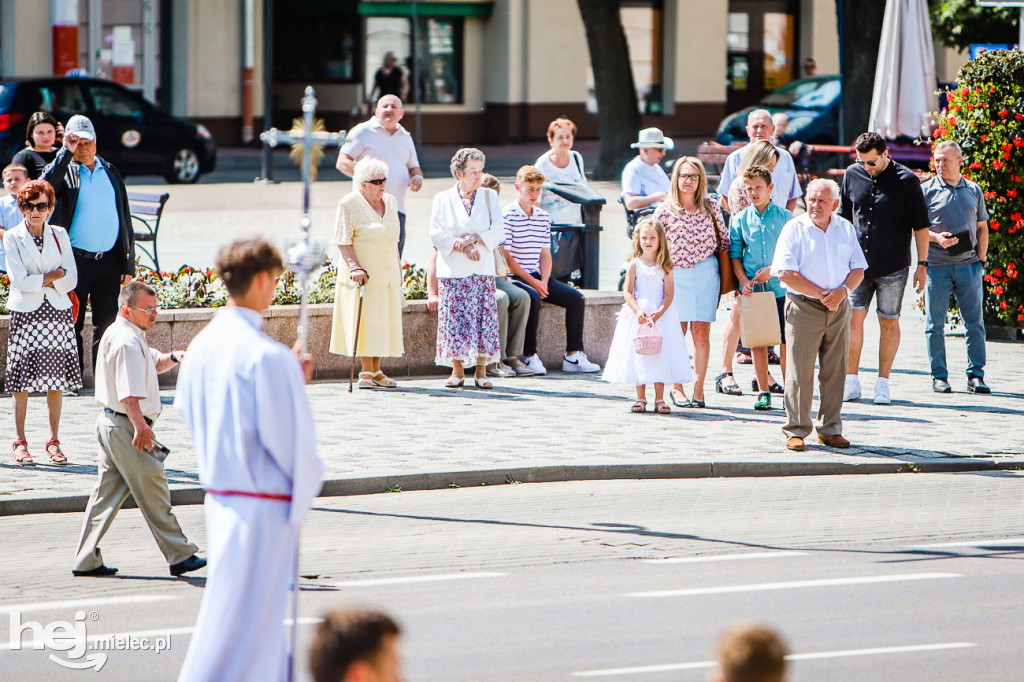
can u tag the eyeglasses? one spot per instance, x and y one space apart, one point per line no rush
149 311
377 181
42 207
689 176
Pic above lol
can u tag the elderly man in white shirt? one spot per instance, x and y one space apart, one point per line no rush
644 181
130 458
383 137
819 260
785 183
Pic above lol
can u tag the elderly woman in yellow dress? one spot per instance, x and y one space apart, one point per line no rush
367 237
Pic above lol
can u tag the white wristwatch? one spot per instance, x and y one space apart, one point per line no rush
847 290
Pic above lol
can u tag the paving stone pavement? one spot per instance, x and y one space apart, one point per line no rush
570 426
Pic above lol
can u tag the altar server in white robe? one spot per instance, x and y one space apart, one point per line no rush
243 397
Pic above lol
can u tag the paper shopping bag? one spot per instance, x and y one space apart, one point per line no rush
759 320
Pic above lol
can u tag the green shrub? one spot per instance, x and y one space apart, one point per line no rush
985 116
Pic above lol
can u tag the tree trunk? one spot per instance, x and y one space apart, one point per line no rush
617 107
860 30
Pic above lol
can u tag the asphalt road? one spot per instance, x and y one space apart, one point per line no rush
903 577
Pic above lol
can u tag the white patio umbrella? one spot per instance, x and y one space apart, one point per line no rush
904 95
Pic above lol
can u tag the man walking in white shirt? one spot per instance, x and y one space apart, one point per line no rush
243 397
130 459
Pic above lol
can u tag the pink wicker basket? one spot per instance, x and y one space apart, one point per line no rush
647 341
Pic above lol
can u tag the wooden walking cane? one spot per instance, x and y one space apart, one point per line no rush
355 339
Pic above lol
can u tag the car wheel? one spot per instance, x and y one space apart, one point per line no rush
183 167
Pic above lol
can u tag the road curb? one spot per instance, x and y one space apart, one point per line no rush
555 474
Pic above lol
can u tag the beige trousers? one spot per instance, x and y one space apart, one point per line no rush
123 469
814 333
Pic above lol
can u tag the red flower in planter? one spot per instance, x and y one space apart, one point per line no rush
1019 117
1002 305
998 291
994 224
1012 193
1017 141
997 164
984 138
976 165
1004 113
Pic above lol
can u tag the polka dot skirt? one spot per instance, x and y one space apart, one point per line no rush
42 354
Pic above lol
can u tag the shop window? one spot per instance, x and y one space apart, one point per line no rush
438 50
315 44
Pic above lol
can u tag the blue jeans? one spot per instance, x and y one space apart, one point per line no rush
963 281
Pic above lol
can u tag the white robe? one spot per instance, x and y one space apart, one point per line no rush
243 397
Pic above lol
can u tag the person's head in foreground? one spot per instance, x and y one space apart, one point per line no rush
355 645
749 652
249 269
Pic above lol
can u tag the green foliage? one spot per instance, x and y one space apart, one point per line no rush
5 290
187 287
985 117
414 282
958 23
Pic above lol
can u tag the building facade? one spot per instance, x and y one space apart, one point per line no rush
479 71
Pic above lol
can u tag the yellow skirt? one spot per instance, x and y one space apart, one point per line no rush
380 328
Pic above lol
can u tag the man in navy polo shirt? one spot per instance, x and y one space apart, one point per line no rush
92 204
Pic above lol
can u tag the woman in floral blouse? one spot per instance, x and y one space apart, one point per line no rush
691 221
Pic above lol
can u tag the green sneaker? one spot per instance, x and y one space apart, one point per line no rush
764 401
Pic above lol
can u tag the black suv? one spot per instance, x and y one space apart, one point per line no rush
136 136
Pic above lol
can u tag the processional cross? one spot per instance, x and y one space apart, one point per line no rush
304 256
307 140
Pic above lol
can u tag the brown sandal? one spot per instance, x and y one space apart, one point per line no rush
383 380
56 456
661 408
24 459
639 407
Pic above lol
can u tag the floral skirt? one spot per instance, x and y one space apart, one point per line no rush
467 320
42 354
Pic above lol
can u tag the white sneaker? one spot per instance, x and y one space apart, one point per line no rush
882 396
579 363
852 389
536 366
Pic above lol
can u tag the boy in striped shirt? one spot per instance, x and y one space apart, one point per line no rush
527 248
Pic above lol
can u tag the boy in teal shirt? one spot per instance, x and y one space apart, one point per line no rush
753 234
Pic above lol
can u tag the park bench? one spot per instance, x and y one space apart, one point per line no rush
146 209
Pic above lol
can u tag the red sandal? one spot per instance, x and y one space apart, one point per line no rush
25 459
56 456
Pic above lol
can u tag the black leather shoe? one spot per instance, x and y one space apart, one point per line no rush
98 572
193 563
977 385
941 386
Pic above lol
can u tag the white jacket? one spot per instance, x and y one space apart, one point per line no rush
449 221
26 266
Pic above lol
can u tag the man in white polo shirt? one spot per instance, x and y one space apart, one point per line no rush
819 260
384 138
130 459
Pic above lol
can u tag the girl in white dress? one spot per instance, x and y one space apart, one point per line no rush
648 291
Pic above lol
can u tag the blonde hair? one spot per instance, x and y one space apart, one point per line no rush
758 153
530 174
700 195
661 257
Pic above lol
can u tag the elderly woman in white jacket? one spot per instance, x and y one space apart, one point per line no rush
466 227
41 351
